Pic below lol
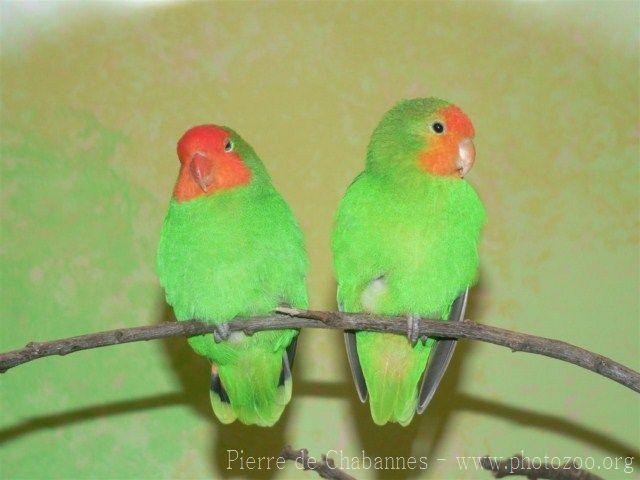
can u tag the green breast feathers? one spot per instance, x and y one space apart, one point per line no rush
238 253
421 237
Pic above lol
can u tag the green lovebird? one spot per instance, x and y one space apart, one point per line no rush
231 247
405 242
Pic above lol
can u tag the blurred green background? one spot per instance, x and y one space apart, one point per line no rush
94 97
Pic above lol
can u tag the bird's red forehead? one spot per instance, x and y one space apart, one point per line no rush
457 121
202 137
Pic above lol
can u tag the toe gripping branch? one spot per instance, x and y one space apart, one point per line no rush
221 332
413 329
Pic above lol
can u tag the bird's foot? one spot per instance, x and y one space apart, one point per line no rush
413 329
221 333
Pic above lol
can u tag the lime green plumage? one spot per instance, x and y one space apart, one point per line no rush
415 232
237 253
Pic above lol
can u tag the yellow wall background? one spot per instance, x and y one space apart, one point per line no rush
94 98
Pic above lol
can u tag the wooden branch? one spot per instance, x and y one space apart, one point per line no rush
325 467
518 466
293 318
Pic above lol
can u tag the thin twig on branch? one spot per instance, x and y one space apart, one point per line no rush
325 467
519 466
293 318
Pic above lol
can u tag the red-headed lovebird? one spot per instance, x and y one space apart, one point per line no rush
405 242
231 247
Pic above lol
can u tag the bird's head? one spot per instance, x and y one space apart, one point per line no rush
211 159
423 134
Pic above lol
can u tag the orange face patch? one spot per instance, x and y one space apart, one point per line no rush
441 155
457 121
208 163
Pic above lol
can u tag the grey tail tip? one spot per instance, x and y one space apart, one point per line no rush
285 371
288 357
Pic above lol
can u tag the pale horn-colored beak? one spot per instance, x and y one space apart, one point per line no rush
466 156
202 170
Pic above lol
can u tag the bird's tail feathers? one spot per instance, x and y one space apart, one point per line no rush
254 388
392 369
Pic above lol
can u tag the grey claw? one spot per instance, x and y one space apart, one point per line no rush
221 333
413 329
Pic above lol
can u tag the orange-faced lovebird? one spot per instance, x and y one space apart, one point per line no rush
231 247
405 242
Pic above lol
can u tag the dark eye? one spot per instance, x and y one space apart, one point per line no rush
228 146
437 127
